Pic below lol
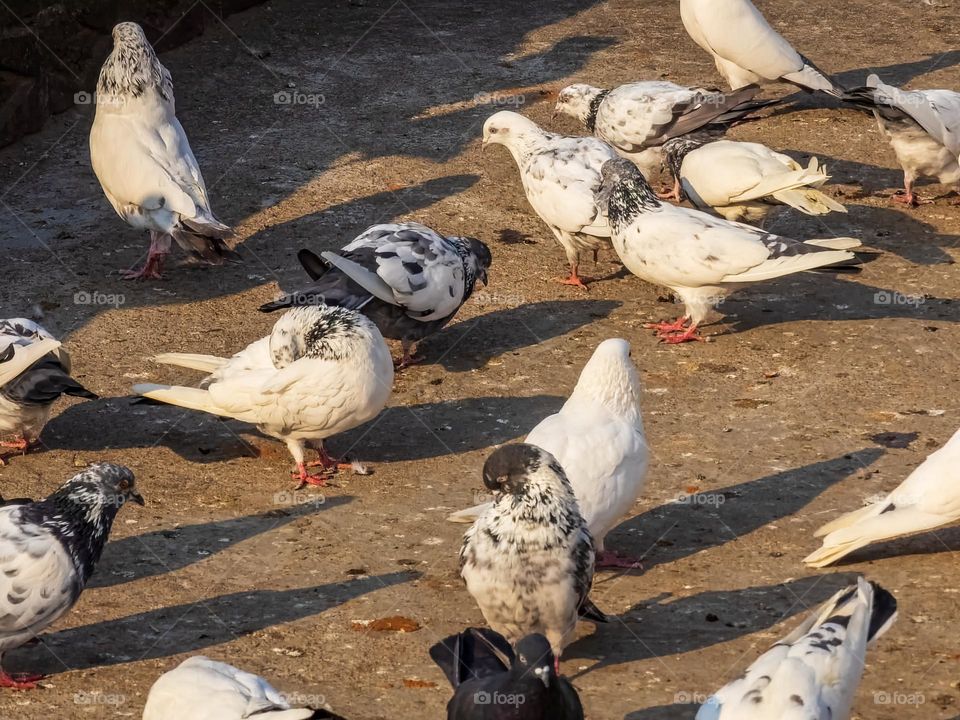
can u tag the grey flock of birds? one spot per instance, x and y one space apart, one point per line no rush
529 556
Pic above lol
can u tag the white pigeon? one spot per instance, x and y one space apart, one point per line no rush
927 499
34 373
143 161
637 118
597 437
744 181
203 689
923 127
560 177
321 371
49 549
813 673
702 258
746 49
528 560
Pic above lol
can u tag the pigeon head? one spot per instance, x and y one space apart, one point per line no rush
319 331
535 656
476 260
510 129
132 67
510 467
624 192
611 378
582 102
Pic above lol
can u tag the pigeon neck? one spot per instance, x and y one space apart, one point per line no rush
591 120
676 152
130 71
630 197
81 517
616 388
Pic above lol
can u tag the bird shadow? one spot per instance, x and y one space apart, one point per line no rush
189 627
676 711
703 520
900 73
668 625
162 551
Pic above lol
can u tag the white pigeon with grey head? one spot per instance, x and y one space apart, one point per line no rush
598 439
49 549
922 126
528 560
702 258
746 49
406 277
560 177
143 160
929 498
321 371
744 181
813 673
34 373
638 118
203 689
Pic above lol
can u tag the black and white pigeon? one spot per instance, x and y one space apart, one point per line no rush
528 560
143 160
744 181
321 371
407 278
560 176
923 127
203 689
702 258
929 498
813 673
34 373
492 682
638 118
598 439
746 49
49 549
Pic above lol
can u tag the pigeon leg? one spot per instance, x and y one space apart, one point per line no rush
907 196
673 194
307 478
610 559
328 462
21 444
574 279
409 357
665 328
689 335
19 682
152 269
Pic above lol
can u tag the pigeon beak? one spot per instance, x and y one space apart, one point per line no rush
137 498
544 674
483 277
484 144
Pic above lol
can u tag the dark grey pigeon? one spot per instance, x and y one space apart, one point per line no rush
492 682
34 372
408 279
48 551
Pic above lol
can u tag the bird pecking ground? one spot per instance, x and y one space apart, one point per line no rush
817 393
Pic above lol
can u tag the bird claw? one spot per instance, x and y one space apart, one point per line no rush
408 361
575 280
610 559
689 335
20 681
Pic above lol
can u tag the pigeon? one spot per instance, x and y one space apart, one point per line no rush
560 177
143 161
743 181
407 278
321 371
203 689
923 127
637 118
49 549
528 560
702 258
492 682
813 673
598 439
929 498
746 49
34 373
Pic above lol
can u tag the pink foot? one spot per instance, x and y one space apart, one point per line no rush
664 328
407 360
22 445
151 270
307 478
19 682
574 279
909 198
608 558
691 334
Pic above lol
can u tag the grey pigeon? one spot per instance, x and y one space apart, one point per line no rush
34 373
492 682
49 549
143 160
528 560
407 278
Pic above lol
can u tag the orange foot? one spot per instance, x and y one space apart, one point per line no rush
608 558
665 328
691 334
19 682
575 280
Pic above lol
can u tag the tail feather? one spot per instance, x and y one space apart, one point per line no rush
473 653
837 243
589 611
190 398
470 514
851 518
813 79
203 240
809 201
203 363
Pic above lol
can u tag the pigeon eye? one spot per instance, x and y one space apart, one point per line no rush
493 131
124 485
